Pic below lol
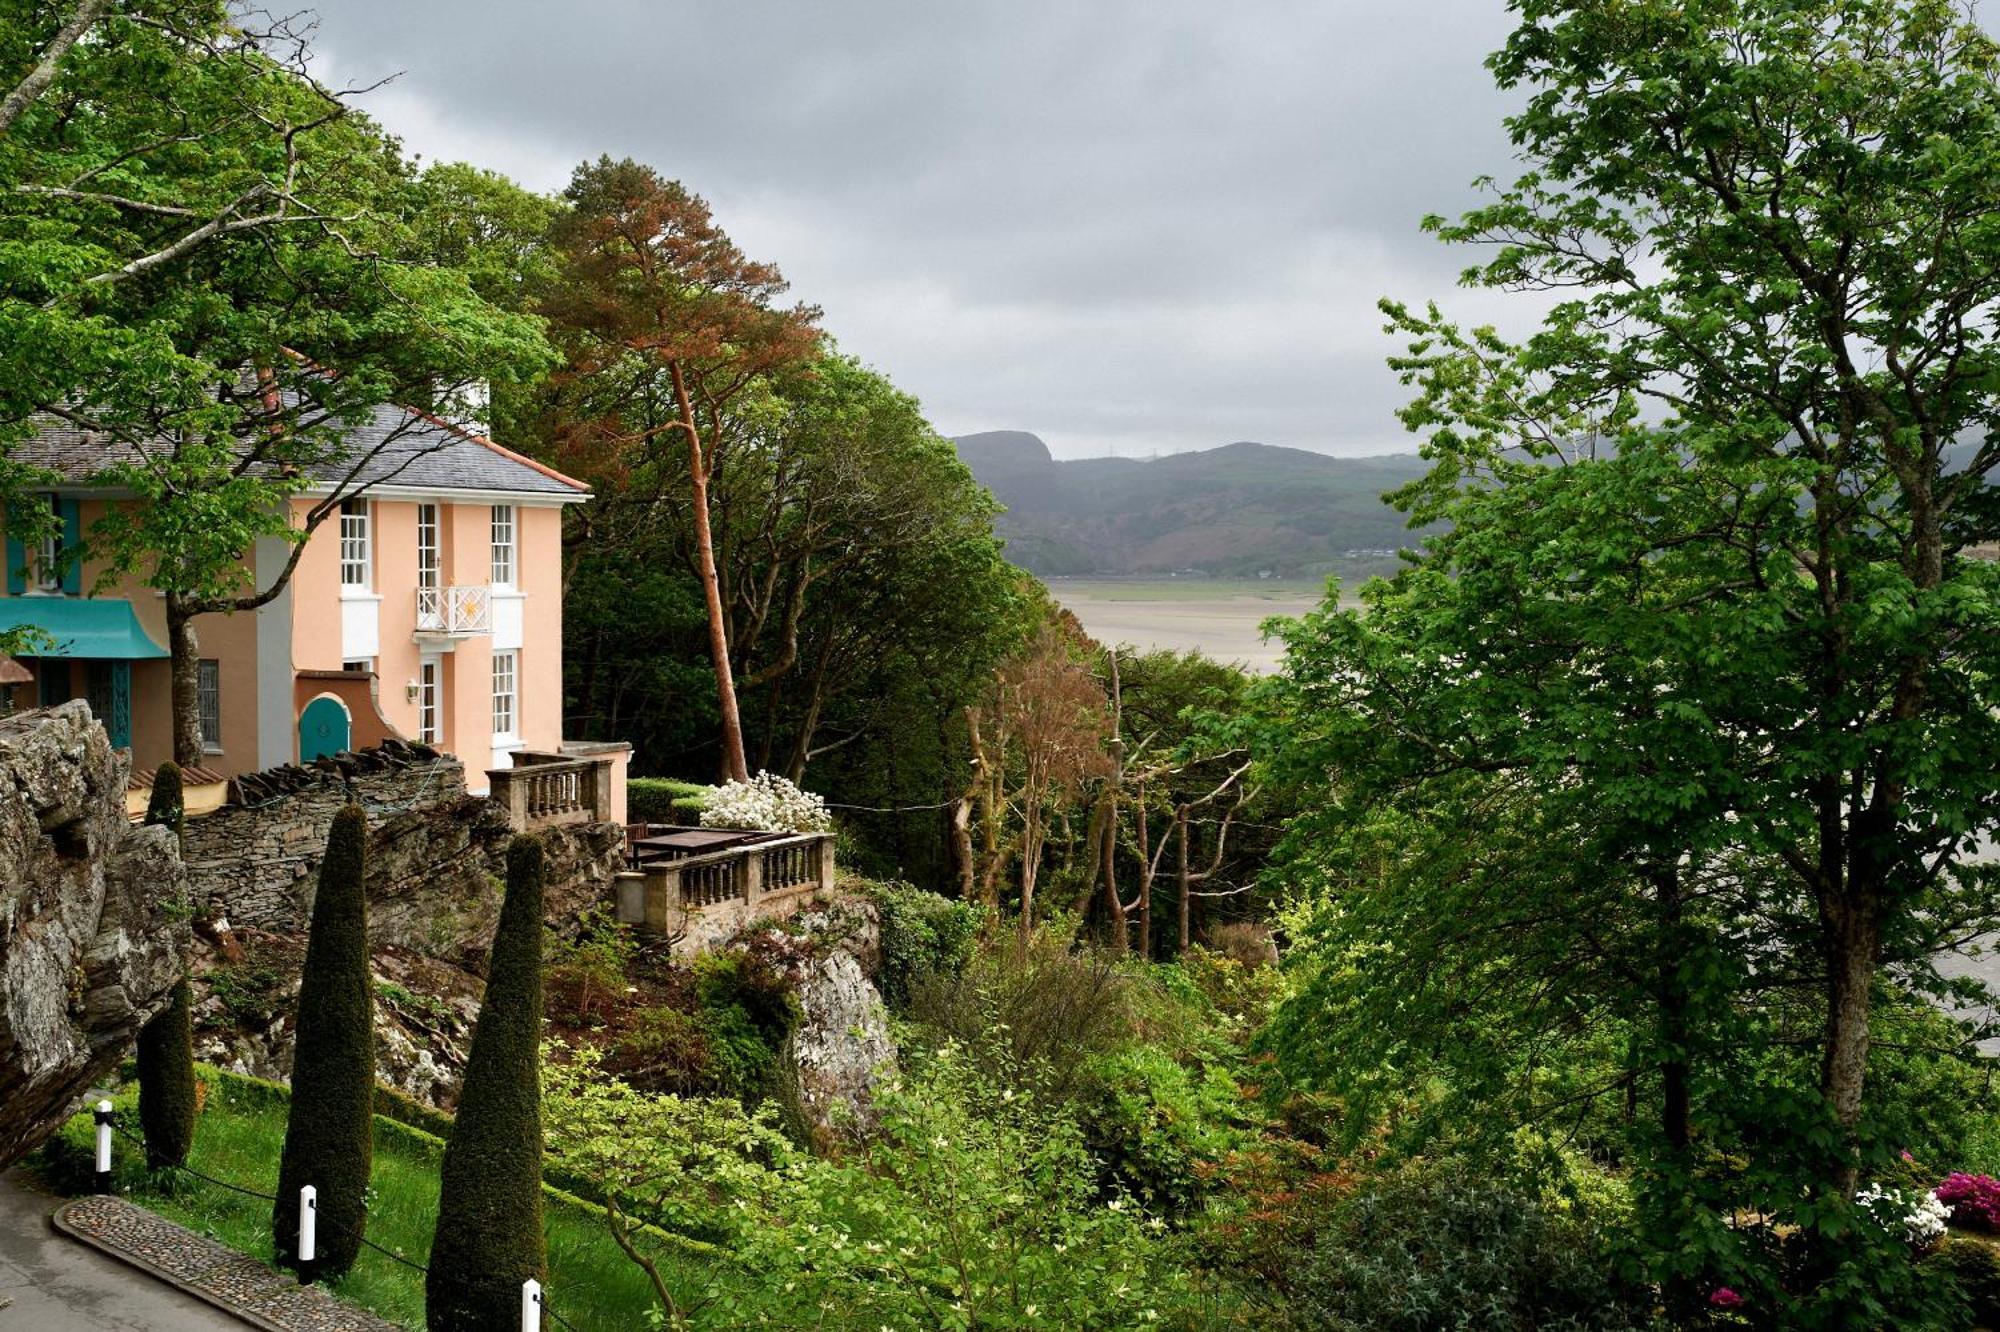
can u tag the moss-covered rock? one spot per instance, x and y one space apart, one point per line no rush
489 1230
328 1136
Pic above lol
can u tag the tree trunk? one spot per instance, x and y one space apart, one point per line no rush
185 651
734 766
1853 932
1186 883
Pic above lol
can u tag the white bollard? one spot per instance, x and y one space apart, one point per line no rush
103 1117
531 1305
308 1223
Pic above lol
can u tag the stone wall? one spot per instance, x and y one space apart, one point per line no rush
435 854
93 926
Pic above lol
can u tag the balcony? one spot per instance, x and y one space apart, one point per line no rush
699 886
548 790
455 611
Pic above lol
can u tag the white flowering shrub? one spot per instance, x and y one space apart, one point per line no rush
768 803
1920 1217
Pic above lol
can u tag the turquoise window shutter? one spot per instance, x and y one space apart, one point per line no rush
17 561
72 539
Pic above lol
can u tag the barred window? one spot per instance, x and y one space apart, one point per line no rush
208 692
503 545
506 694
354 543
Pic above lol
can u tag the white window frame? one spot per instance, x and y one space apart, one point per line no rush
430 699
507 695
359 664
357 546
208 699
506 534
429 562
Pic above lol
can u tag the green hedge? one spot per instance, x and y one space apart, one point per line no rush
923 935
664 800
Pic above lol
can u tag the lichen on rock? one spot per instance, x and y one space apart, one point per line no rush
93 919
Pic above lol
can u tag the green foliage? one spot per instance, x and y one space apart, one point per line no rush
1973 1264
1427 1249
588 973
166 1081
972 1206
670 1050
1161 1129
489 1232
1040 1009
394 1103
923 936
664 800
749 1010
328 1135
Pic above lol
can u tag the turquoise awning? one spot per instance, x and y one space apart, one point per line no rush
88 627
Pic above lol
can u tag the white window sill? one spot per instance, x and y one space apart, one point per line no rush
207 748
507 744
358 594
508 592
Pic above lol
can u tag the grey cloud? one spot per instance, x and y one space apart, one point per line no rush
1131 224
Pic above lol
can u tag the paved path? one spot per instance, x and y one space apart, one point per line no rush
50 1283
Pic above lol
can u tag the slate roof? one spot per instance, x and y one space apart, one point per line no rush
415 450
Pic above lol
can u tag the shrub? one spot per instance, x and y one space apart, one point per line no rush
923 936
665 1051
1245 941
749 1011
585 975
1244 994
166 1042
329 1139
766 802
1424 1249
664 800
1158 1128
1973 1264
489 1229
1974 1201
166 1081
1041 1009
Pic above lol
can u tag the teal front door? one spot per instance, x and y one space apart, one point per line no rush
323 729
108 687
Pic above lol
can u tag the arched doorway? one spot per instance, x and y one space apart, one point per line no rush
324 728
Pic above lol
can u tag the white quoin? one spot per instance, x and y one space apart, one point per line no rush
103 1137
531 1305
308 1223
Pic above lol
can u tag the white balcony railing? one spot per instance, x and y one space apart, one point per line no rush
454 610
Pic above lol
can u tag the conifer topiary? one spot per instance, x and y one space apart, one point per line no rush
329 1136
489 1229
166 1043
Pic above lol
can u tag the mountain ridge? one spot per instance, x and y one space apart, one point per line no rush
1242 508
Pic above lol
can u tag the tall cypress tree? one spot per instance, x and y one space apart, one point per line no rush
166 1043
489 1229
329 1137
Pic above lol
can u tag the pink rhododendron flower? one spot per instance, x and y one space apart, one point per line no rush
1725 1298
1974 1200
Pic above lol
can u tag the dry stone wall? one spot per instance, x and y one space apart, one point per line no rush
93 921
434 852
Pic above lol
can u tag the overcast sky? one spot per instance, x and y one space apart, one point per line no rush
1127 225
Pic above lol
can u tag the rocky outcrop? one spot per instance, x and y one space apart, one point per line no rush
842 1048
246 1012
93 919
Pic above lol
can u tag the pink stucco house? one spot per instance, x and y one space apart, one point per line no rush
429 608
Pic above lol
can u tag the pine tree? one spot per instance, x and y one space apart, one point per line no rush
489 1230
166 1043
329 1137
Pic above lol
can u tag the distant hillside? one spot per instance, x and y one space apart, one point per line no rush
1238 509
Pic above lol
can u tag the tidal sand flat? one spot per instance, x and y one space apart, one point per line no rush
1220 617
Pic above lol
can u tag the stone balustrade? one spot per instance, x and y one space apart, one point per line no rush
549 790
700 900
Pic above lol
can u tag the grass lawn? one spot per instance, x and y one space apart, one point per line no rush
239 1137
